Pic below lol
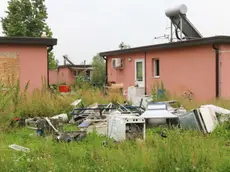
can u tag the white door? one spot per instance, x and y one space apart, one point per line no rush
140 72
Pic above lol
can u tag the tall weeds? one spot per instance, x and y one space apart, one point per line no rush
44 102
179 151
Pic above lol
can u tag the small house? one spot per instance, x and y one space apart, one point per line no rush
25 60
67 74
191 65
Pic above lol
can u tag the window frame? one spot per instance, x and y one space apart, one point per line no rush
74 72
156 68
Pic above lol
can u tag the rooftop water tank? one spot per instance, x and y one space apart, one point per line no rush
178 10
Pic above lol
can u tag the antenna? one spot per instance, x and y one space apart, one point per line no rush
179 20
162 37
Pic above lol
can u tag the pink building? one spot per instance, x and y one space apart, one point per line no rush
199 65
67 74
26 60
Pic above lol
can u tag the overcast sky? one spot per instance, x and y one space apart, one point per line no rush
84 28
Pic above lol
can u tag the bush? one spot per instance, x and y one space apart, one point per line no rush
99 72
159 93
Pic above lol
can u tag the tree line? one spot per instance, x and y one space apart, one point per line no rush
28 18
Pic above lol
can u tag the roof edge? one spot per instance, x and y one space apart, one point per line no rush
69 66
28 41
179 44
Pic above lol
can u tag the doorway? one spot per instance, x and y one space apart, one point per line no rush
140 72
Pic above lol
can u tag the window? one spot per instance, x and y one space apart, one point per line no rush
74 73
113 63
139 71
156 68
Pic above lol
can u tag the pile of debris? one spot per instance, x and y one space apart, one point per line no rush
111 119
205 119
122 121
125 121
45 126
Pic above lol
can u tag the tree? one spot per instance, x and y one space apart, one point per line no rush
123 46
99 71
27 18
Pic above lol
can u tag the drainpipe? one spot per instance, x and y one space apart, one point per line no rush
145 75
217 70
50 48
106 70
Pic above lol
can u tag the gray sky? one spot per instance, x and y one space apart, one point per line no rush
86 27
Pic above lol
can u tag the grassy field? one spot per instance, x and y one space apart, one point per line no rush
183 151
180 151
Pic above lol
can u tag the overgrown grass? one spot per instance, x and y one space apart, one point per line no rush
180 151
184 151
160 93
16 103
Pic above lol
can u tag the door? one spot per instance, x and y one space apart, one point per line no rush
140 72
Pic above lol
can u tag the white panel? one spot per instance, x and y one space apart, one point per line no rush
209 118
157 107
158 114
217 109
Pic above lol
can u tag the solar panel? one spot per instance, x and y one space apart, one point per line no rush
178 18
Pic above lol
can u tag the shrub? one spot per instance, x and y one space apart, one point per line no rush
159 93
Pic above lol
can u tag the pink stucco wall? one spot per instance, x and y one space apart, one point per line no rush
33 64
63 75
181 69
53 76
126 75
224 66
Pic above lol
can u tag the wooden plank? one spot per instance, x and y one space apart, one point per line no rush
9 67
